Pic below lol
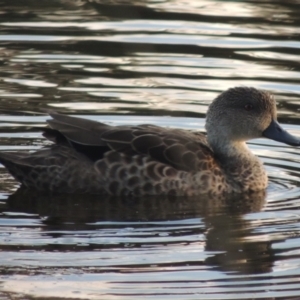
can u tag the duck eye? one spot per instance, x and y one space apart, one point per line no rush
248 107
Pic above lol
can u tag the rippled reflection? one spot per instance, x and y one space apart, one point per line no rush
159 62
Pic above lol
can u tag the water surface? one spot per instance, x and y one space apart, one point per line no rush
161 62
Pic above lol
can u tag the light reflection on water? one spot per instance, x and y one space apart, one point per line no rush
159 62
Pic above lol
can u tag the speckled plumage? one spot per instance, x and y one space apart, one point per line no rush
92 157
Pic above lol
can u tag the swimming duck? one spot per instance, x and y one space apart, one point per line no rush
92 157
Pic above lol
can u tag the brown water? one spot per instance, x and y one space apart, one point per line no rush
158 62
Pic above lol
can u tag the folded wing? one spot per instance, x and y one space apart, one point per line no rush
181 149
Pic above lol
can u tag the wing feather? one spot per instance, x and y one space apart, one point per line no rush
181 149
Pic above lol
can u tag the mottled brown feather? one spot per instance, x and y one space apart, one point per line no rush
143 143
162 144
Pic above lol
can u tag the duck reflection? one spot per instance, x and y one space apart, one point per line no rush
82 208
226 233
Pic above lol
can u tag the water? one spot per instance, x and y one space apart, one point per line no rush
158 62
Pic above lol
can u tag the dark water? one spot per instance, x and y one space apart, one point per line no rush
158 62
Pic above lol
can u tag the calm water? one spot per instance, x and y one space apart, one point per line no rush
156 62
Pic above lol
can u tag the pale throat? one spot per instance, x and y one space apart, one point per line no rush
239 163
232 151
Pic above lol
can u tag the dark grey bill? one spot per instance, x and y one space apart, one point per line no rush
277 133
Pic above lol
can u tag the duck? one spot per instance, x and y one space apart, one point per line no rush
86 156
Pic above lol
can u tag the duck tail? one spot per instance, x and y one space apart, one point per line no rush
12 162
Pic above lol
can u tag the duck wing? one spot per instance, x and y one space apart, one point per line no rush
182 149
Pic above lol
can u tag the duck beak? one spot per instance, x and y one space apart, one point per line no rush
277 133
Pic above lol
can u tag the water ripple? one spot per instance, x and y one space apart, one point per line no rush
159 62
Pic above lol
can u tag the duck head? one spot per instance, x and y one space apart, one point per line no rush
242 113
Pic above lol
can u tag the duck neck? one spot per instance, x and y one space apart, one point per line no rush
240 164
226 150
233 151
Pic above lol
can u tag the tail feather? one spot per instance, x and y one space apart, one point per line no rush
52 174
14 164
